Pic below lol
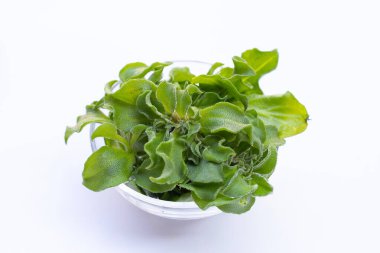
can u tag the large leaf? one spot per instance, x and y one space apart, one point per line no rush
239 205
109 131
107 167
92 116
131 89
217 83
282 111
180 74
125 116
175 169
223 116
205 172
166 95
131 70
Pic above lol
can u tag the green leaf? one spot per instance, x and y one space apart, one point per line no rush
131 70
109 131
263 187
214 67
175 168
217 83
282 111
239 205
151 146
207 191
92 116
237 187
143 175
180 74
207 99
205 172
183 103
166 95
241 67
107 167
267 163
272 137
262 62
136 132
125 116
218 153
204 204
223 116
146 108
109 86
130 90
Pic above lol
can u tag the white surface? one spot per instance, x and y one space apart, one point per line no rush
55 57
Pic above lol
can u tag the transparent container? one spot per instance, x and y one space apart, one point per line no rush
162 208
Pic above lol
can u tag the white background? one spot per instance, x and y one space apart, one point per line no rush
55 57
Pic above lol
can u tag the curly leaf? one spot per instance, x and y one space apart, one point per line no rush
166 95
107 167
145 106
214 67
239 205
180 75
217 83
183 103
109 131
206 192
131 70
130 90
205 172
262 62
263 187
241 67
204 204
218 153
282 111
223 116
237 187
92 116
266 165
175 168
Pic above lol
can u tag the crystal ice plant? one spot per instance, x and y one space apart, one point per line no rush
211 138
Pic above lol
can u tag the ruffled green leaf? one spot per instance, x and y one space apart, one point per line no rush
205 172
166 95
130 90
223 116
204 204
237 187
217 83
263 188
107 167
218 153
92 116
175 169
180 74
125 116
214 67
267 163
241 67
145 107
282 111
206 192
183 103
131 70
239 205
109 131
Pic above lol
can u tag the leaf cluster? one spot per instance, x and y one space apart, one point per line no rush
211 138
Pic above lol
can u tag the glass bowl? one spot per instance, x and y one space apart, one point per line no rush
162 208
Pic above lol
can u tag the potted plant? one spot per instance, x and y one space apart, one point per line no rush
207 140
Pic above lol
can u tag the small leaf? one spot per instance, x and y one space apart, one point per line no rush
107 167
151 146
223 116
214 67
109 86
263 187
207 191
218 153
282 111
217 83
241 67
239 205
130 90
237 187
205 172
132 69
207 99
109 131
180 74
136 132
92 116
125 116
166 95
146 108
175 168
183 103
143 174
